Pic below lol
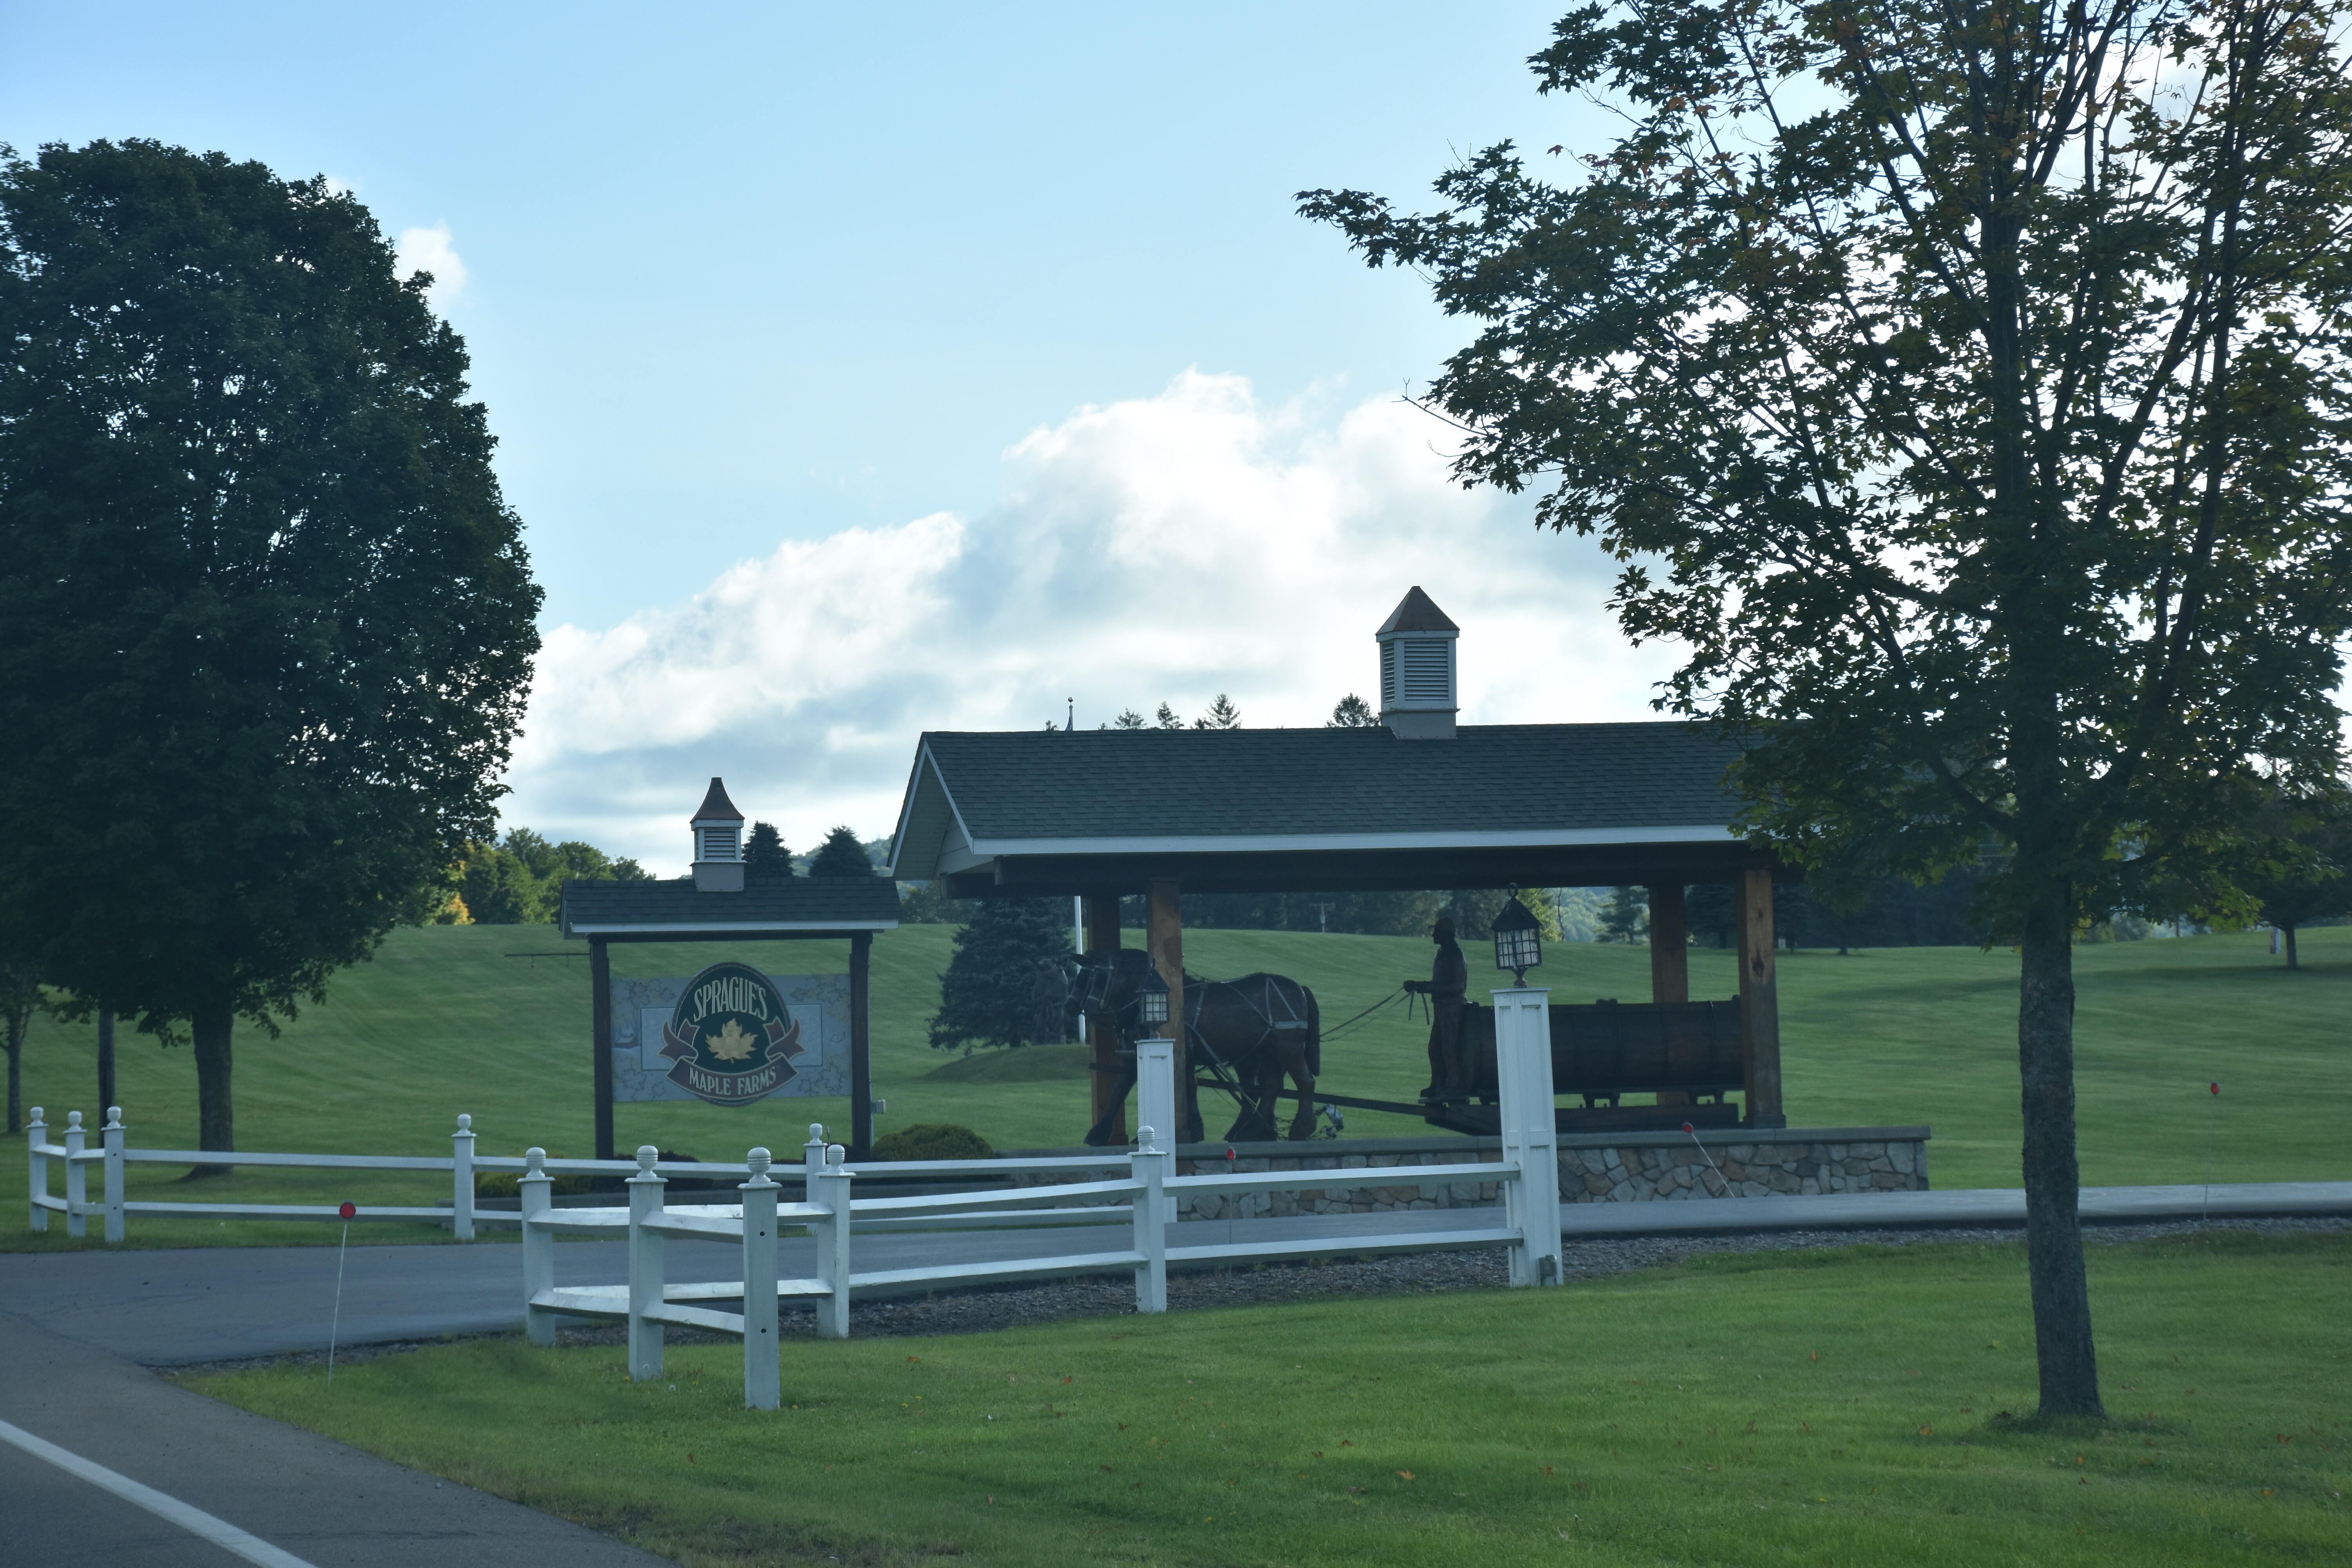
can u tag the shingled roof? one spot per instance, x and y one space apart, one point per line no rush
800 905
1060 811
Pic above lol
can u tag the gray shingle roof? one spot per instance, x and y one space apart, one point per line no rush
1600 782
811 903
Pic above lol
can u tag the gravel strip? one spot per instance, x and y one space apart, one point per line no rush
986 1307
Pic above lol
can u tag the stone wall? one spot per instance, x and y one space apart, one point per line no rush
1594 1168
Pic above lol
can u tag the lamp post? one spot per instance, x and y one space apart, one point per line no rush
1518 940
1151 1000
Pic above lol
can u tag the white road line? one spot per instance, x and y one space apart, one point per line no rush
195 1521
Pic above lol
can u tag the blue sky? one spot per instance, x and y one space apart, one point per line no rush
859 371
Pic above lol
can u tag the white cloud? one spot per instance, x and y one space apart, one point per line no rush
432 250
1164 549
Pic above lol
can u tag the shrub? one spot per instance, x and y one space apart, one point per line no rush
932 1140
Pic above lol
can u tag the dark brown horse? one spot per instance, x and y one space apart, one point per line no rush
1248 1032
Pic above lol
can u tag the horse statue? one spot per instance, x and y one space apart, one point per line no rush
1251 1033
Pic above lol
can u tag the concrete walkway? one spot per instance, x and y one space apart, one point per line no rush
319 1501
171 1308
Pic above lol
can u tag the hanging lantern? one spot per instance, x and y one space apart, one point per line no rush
1518 940
1152 998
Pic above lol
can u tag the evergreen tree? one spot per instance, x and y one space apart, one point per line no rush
984 995
1628 917
1222 715
765 859
841 855
1350 712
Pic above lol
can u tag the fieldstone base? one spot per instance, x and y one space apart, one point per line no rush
1622 1167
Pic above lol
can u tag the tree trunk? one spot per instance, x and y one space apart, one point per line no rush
2291 962
215 1114
15 1032
105 1059
2060 1286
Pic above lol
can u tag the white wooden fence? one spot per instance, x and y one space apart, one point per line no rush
1144 1202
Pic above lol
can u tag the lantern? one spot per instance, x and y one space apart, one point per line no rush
1518 940
1152 998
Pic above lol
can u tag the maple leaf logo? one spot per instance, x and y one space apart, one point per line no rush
731 1044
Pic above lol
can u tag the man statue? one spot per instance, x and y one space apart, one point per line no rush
1449 984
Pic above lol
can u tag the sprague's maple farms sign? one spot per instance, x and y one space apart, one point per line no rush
730 1039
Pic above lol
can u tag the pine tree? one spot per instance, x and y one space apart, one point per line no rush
1222 715
1350 712
1628 917
765 859
984 995
841 855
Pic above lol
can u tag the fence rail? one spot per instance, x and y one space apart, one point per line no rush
1143 1201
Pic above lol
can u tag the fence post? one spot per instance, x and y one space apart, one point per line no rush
645 1268
1530 1132
36 1186
112 1137
1150 1167
833 1244
77 1176
538 1189
763 1367
461 1210
1155 1105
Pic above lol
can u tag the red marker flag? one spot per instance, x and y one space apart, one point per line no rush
350 1209
2215 1089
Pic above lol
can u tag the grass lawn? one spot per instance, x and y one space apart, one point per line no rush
442 1021
1839 1407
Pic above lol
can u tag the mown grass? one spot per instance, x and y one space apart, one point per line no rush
441 1022
1841 1407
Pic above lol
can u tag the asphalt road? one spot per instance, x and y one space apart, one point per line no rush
173 1308
325 1504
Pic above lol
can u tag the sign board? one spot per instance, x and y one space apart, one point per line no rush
730 1035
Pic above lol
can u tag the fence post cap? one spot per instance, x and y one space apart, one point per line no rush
835 1154
816 1132
758 1160
36 1114
647 1155
532 1159
465 1123
73 1119
113 1118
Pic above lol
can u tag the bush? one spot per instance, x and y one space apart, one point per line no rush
932 1140
509 1183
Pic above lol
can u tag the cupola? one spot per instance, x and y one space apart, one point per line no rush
1417 684
718 844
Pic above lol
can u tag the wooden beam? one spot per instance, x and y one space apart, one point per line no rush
1102 1049
1760 999
1669 959
1163 935
599 1014
1376 869
861 1056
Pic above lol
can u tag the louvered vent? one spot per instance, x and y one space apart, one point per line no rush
718 844
1428 673
1388 673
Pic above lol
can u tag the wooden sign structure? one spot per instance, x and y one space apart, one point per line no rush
798 908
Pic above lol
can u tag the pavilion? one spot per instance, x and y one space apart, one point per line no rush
1414 801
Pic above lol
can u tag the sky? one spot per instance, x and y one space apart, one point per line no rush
864 371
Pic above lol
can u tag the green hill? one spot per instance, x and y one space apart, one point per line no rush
443 1021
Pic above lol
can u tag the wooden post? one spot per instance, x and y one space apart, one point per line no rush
861 1063
1760 1000
600 1012
1163 939
1669 960
1102 1045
